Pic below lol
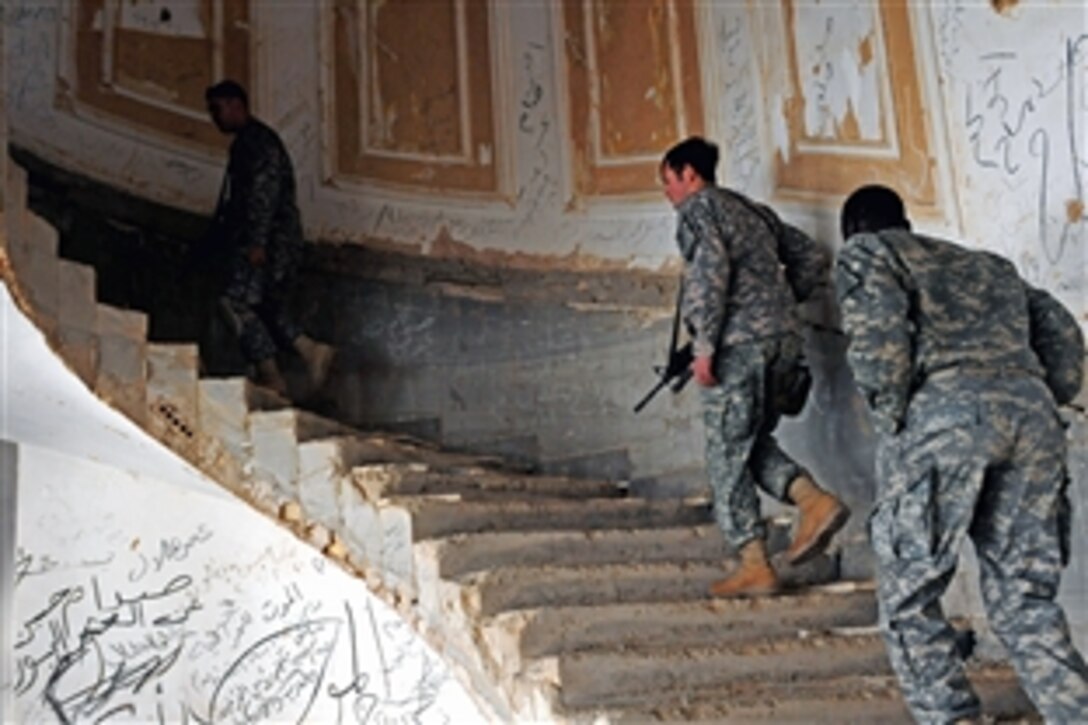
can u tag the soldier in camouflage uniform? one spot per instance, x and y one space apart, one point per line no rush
963 365
258 218
739 304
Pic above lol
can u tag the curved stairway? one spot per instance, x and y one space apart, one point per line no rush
553 598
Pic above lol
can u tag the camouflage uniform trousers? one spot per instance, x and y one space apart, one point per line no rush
980 456
739 416
256 301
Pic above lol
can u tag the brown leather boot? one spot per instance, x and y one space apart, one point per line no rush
318 358
821 517
268 375
753 577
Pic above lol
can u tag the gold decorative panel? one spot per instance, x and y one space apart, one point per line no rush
854 112
148 62
633 80
412 93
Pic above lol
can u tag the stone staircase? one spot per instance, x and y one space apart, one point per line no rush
554 598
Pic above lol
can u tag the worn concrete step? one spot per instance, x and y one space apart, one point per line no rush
32 252
857 700
77 303
122 360
15 191
224 405
392 447
172 396
466 553
428 429
520 451
383 480
326 465
681 483
626 676
614 464
113 321
79 350
241 394
275 436
485 594
77 319
431 518
405 521
518 636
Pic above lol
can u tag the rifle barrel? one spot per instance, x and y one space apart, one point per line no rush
650 395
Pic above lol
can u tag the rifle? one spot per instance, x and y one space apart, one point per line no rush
677 370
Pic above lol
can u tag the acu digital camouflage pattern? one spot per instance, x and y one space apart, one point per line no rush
971 446
257 208
735 288
739 418
738 304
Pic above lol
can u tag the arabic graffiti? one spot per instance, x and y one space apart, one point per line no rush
170 632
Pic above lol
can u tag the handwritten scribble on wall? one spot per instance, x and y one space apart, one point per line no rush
136 600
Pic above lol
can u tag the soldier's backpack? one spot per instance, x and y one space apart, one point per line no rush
805 262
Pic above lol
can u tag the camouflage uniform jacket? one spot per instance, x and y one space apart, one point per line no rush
257 203
735 288
915 306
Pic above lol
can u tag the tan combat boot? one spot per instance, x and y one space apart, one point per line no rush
821 517
268 375
318 358
753 577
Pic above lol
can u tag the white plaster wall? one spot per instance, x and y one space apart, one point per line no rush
147 602
995 188
1015 93
141 591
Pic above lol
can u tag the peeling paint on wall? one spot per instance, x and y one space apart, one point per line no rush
841 87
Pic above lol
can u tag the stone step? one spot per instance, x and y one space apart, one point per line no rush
859 699
428 429
520 451
275 436
77 319
681 483
516 637
383 480
15 192
378 464
614 464
224 405
113 321
172 396
77 304
32 251
327 464
466 553
79 350
620 677
122 360
431 518
389 447
404 521
383 543
323 468
485 594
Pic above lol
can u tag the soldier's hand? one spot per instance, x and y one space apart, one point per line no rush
257 255
703 370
